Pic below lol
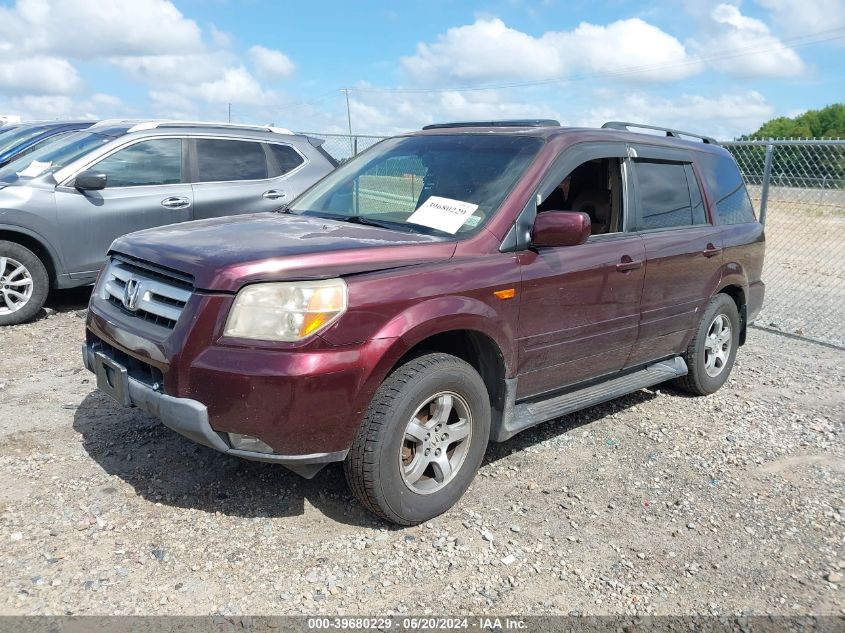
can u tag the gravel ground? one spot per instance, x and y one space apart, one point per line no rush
654 503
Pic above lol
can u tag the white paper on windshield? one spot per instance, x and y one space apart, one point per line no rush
443 214
34 169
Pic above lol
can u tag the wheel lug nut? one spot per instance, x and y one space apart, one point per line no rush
437 453
427 451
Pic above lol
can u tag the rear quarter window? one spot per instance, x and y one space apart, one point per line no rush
287 158
731 203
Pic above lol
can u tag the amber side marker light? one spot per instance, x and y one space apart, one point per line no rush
507 293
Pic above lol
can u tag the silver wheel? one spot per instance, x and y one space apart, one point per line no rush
437 438
15 285
717 345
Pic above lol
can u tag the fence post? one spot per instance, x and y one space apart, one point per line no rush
356 147
767 176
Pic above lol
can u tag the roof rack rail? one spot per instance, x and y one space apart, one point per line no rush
621 125
505 123
152 125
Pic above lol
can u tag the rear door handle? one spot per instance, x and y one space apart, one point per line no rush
175 202
627 264
711 251
274 194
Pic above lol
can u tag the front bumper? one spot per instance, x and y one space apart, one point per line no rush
185 416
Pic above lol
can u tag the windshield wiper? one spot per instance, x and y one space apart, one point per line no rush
384 224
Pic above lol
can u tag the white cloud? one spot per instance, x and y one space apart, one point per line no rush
800 17
377 112
271 63
85 29
723 116
488 49
625 45
38 75
97 106
151 40
758 53
484 50
188 69
236 85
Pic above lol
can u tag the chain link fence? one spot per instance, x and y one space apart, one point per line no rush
798 188
342 147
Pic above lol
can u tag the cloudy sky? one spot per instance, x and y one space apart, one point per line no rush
717 66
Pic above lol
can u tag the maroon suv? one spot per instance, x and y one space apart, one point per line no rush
443 289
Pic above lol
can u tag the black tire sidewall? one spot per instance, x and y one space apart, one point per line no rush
721 304
40 281
413 507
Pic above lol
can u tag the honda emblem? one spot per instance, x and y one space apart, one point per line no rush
131 294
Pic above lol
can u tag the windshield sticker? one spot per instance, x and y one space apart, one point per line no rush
473 221
443 214
35 169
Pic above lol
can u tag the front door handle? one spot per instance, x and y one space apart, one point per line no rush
175 202
274 194
711 251
627 264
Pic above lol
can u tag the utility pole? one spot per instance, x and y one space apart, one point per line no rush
230 113
348 112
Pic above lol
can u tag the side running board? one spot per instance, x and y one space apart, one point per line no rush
528 414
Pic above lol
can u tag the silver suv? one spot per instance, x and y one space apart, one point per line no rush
62 205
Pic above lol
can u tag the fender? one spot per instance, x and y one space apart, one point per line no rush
426 319
55 260
733 274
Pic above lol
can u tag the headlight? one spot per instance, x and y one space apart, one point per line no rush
286 311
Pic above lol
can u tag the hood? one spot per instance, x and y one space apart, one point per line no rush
226 253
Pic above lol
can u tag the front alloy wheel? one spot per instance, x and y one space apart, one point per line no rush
436 441
422 439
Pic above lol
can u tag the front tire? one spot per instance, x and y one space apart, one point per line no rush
711 353
24 283
421 441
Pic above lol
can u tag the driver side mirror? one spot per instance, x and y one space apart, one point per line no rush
560 228
90 180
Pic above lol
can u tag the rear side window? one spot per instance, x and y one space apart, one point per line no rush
223 160
724 182
155 162
287 158
664 195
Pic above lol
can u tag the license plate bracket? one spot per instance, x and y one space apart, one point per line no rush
112 379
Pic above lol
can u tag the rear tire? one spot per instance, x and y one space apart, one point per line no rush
711 353
421 441
24 283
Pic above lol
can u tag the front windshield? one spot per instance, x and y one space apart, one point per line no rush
52 156
443 184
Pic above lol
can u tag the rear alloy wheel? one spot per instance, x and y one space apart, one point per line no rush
422 439
23 283
712 351
718 345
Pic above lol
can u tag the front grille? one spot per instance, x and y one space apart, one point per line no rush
155 295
